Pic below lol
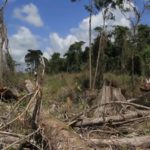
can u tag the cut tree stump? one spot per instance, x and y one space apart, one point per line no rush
109 94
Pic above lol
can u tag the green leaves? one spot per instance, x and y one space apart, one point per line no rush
74 56
32 58
99 4
56 63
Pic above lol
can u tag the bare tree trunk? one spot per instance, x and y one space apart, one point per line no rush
101 48
90 46
132 72
137 17
1 47
123 54
3 41
98 58
1 65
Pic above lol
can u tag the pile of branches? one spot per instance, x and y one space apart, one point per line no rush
22 113
113 123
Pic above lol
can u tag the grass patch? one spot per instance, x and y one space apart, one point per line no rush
124 82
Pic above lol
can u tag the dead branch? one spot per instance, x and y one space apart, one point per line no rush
11 134
110 119
131 120
8 139
83 112
18 102
126 103
24 138
20 115
75 119
102 131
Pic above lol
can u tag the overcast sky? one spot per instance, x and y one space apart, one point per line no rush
51 25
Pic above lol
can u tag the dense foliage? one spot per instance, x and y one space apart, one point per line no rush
117 54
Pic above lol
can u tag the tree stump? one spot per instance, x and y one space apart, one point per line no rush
109 94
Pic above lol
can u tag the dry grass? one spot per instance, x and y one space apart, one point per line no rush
124 82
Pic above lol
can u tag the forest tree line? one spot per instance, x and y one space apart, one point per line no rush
116 57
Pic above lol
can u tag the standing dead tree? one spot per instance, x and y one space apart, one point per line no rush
4 52
134 19
106 16
90 44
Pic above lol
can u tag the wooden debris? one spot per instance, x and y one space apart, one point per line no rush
110 119
110 113
140 141
60 135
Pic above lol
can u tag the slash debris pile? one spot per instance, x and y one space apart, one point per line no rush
113 123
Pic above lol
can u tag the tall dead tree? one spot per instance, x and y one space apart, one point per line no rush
3 42
1 48
134 19
105 7
102 46
90 45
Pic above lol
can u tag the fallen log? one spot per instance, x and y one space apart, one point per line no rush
141 119
60 135
10 134
74 119
110 119
141 141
